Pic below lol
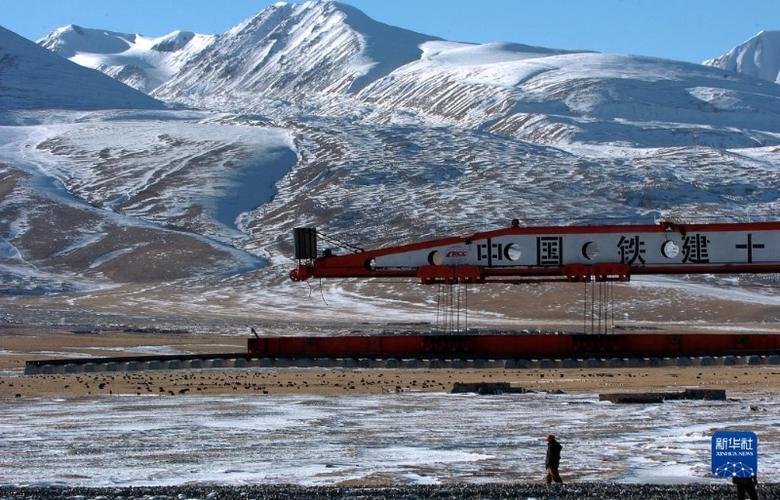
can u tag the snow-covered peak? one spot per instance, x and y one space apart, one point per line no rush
69 40
758 57
326 47
141 62
173 41
32 77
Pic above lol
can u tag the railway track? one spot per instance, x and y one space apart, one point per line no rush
242 360
497 351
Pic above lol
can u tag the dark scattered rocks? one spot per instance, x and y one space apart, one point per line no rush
660 397
570 491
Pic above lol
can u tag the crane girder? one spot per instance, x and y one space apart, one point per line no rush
558 253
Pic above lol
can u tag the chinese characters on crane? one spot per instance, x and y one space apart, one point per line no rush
629 249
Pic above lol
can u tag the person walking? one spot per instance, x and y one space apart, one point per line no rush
553 460
746 485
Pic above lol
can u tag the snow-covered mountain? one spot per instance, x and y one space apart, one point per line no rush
314 114
291 50
758 57
327 58
552 97
138 61
32 77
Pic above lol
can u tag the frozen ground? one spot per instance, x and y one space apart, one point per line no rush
432 438
378 136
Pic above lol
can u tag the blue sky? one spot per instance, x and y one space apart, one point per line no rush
688 30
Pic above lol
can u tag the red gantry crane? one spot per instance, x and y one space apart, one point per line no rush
590 254
560 253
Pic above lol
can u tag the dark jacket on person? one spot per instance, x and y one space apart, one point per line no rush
553 458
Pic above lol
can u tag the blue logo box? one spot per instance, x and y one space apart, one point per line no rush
734 454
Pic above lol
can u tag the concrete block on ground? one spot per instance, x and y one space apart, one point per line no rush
706 361
633 398
569 363
683 361
217 363
240 363
392 363
174 364
729 360
326 362
522 364
47 369
486 388
754 360
592 363
32 369
434 363
660 397
411 363
706 394
70 368
303 362
283 362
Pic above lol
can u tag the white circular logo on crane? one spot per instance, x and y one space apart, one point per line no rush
590 250
670 249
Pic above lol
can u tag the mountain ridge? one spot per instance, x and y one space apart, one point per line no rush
314 57
759 56
345 50
141 62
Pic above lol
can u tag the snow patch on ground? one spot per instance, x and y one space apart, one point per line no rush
409 438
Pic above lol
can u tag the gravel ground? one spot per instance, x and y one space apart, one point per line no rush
489 491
